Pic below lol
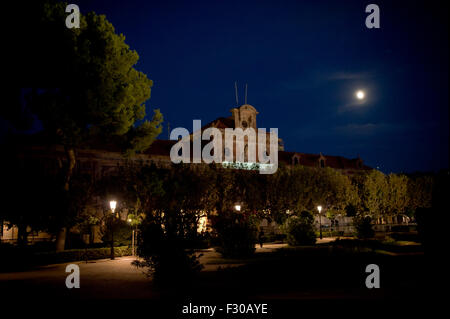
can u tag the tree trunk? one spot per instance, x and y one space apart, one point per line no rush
61 239
70 155
71 161
22 235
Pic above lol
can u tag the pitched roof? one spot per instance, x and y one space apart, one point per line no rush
160 147
312 160
221 122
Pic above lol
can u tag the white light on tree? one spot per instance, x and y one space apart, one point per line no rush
319 208
202 222
238 208
113 205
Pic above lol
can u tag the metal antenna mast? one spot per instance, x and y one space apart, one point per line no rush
236 92
245 93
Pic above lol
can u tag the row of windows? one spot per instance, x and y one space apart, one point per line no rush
296 161
321 162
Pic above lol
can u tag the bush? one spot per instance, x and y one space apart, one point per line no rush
236 235
18 258
411 236
81 254
122 233
275 238
363 226
74 241
168 261
43 246
423 216
300 229
400 228
198 241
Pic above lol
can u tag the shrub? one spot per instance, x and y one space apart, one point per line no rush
363 226
412 236
423 217
275 237
166 257
236 235
122 233
81 254
400 228
17 258
300 229
198 241
43 246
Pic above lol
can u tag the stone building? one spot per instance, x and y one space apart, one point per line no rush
245 116
103 160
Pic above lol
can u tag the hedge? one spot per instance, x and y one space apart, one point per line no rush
81 254
14 258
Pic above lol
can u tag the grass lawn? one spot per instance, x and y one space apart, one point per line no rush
328 271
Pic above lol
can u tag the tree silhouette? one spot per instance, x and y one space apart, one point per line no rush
84 87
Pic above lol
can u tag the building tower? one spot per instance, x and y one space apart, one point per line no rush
244 116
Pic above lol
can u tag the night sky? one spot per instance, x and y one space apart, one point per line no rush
303 62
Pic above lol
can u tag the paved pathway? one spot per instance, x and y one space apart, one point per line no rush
98 279
102 278
212 260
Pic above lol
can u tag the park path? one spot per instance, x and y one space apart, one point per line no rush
99 279
212 260
103 279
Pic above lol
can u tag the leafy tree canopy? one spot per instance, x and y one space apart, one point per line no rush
89 88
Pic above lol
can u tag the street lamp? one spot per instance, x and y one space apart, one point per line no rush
338 220
112 205
319 208
132 236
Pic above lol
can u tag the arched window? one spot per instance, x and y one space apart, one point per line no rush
322 163
246 153
296 162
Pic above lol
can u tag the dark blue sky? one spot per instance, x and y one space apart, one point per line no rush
303 62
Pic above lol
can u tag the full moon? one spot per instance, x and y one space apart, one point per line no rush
360 95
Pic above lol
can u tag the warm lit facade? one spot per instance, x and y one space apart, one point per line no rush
104 160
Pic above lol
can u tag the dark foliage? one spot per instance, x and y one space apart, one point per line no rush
170 263
122 232
236 234
423 217
173 200
300 229
363 226
16 258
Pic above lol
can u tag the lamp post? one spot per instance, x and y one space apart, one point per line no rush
319 208
339 224
132 236
112 205
237 208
